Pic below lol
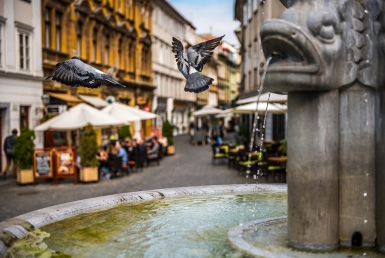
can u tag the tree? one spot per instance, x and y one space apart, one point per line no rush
167 131
23 148
124 132
88 148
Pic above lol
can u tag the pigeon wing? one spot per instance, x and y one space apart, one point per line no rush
200 54
181 57
74 73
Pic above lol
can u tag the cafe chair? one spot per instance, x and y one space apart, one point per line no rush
218 156
245 163
276 169
232 156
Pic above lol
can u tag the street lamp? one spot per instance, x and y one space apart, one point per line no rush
45 99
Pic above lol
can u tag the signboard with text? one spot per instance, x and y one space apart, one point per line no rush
43 164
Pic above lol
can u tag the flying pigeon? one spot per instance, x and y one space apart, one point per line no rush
74 73
192 63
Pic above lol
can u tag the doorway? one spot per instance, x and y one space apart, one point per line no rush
1 139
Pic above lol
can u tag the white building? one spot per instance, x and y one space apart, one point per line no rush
20 67
170 101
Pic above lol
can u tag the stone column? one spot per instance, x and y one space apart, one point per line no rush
357 165
312 170
380 169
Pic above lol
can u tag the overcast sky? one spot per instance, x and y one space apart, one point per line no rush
210 16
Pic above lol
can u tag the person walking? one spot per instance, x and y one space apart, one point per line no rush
9 143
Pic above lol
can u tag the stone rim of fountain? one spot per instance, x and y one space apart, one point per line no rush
17 227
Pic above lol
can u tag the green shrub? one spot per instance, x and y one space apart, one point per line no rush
283 147
88 148
124 132
167 131
243 137
23 148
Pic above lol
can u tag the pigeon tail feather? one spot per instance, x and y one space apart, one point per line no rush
197 82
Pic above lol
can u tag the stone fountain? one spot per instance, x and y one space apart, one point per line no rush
329 56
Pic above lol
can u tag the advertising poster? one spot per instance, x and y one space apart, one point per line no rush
65 163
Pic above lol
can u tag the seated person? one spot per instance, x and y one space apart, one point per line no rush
133 150
102 156
154 151
121 152
141 145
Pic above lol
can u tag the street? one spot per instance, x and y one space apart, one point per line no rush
190 166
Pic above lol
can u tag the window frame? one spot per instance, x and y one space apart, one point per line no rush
26 30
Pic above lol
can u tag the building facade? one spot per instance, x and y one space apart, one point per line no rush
172 102
21 72
113 36
251 14
229 63
210 69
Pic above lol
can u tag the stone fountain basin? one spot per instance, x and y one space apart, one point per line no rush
18 227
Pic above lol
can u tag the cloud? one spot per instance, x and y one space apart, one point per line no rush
207 15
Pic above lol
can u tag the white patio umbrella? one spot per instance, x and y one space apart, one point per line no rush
274 98
225 113
78 117
250 108
127 114
207 110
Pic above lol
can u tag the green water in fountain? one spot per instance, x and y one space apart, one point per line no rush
181 227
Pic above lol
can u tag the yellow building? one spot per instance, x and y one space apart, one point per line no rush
113 36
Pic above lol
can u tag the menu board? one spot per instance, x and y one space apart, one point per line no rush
43 164
65 164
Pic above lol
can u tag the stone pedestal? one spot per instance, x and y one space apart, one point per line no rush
357 165
312 170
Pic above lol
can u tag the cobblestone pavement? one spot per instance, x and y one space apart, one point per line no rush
190 166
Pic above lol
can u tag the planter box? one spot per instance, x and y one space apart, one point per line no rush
89 174
25 176
170 150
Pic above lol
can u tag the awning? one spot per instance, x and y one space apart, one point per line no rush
276 98
94 101
64 97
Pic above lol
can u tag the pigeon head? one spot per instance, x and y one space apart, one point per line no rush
75 57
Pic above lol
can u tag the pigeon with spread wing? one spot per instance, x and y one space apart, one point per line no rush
192 63
74 73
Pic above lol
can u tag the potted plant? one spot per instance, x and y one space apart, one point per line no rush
23 150
167 131
88 152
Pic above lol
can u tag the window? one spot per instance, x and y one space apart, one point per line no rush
79 38
58 31
249 10
120 52
1 45
24 49
245 14
94 44
47 28
255 5
24 116
107 50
